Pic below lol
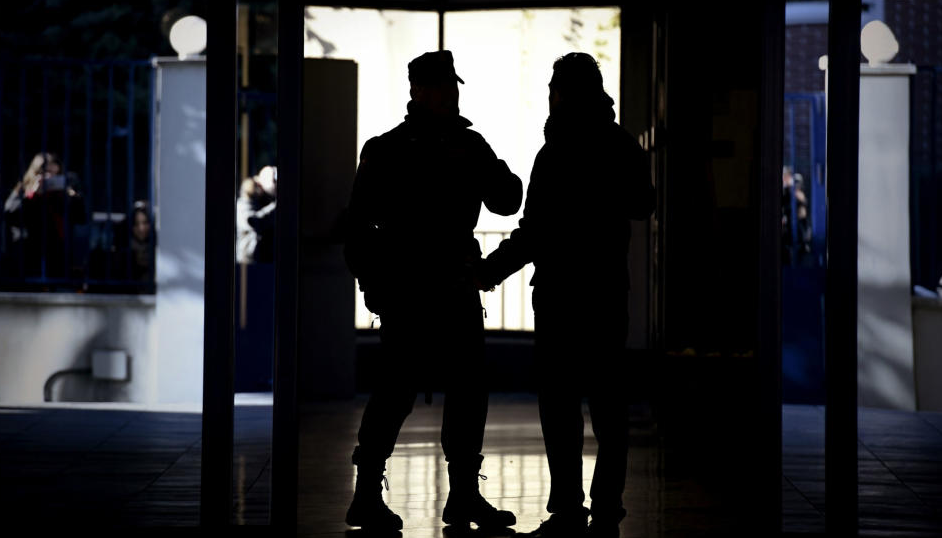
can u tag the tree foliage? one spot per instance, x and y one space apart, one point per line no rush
87 29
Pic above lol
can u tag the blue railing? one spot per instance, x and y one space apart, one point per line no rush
96 118
804 153
804 270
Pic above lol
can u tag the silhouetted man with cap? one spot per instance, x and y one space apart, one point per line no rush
594 173
416 200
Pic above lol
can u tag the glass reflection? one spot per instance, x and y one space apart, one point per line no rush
382 43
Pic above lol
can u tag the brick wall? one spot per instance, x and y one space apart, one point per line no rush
804 44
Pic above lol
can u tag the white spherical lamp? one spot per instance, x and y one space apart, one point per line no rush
877 43
188 36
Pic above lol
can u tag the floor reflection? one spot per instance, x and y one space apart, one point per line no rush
515 465
418 481
99 467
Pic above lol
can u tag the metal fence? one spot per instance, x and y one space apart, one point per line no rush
87 228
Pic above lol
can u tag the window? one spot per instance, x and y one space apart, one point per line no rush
505 58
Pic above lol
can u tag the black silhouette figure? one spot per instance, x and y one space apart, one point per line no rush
415 202
588 180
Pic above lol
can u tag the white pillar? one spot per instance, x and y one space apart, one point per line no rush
180 184
884 303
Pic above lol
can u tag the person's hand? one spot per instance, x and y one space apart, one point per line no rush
482 286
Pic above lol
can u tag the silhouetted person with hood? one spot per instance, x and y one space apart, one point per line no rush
589 179
415 202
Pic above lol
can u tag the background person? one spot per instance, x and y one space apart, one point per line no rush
255 217
36 214
141 243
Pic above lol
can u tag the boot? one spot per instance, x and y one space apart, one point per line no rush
605 523
570 524
603 528
465 503
368 511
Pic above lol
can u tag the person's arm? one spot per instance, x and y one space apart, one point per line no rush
360 233
263 221
518 249
14 201
243 212
502 190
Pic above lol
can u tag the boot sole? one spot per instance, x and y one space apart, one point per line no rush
463 522
375 528
372 526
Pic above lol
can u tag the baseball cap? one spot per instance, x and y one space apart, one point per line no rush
433 67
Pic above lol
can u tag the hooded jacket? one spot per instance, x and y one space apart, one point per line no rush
588 180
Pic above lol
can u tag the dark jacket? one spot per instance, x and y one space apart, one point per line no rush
41 218
415 202
588 180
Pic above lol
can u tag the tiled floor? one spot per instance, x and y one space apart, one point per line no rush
899 471
80 466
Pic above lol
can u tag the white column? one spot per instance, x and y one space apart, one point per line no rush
180 184
884 304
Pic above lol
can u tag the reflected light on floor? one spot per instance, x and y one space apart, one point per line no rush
514 462
418 481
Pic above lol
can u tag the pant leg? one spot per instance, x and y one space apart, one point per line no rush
561 420
382 419
465 414
393 395
609 413
559 389
460 345
608 408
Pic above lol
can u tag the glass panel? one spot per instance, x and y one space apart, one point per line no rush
382 42
100 390
254 329
803 274
76 175
899 265
505 96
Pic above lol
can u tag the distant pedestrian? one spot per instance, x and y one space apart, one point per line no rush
141 244
255 217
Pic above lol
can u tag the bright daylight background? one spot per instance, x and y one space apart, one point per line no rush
505 58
